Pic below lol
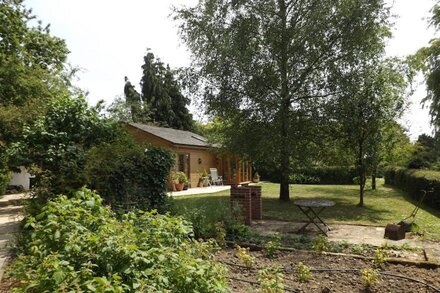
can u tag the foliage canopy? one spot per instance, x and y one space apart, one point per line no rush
32 68
273 63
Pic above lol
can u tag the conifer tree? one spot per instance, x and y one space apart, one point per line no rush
161 93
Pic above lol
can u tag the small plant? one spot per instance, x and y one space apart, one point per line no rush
272 247
204 173
370 276
244 256
303 272
220 234
180 177
256 178
271 280
358 249
380 257
320 244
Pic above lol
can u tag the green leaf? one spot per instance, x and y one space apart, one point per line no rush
59 276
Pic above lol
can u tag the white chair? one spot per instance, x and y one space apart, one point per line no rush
215 179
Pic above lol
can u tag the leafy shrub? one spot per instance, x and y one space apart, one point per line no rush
205 221
220 233
380 257
370 276
271 280
272 247
303 272
79 245
413 181
299 178
320 244
57 143
4 171
315 175
244 256
331 174
129 175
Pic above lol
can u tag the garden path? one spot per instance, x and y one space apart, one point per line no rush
200 190
353 234
10 217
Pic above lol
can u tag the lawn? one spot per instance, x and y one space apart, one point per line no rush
382 206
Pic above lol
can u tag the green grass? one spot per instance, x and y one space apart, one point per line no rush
382 206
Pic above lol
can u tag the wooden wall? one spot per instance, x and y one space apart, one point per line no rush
208 159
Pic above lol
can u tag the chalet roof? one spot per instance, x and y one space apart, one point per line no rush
180 137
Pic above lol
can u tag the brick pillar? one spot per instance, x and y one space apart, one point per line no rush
241 196
256 202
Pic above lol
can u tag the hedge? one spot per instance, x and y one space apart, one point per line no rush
129 175
415 180
316 175
331 175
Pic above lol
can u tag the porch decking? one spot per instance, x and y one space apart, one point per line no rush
200 190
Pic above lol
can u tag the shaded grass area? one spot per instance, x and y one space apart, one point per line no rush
382 206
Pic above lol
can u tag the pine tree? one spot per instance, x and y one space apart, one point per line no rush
133 102
161 93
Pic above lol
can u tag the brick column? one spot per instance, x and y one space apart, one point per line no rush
256 202
249 200
241 196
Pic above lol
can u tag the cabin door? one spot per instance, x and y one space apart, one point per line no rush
183 164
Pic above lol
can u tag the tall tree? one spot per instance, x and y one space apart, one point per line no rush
162 95
31 68
272 61
139 112
372 96
426 153
427 60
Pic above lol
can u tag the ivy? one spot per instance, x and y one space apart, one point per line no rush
129 175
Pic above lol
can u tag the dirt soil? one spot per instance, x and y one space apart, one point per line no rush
327 281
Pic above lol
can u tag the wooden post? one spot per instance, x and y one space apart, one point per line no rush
229 171
238 164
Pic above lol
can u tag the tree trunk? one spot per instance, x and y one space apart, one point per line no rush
284 110
361 168
284 155
373 181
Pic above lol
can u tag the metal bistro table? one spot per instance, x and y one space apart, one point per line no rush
312 208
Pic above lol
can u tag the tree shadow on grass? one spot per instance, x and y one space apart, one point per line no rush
433 212
343 211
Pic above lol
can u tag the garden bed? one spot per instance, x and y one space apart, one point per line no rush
326 281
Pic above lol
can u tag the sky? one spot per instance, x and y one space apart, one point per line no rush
108 39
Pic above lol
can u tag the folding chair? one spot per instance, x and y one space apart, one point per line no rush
215 179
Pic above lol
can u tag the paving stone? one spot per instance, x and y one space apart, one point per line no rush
354 234
10 217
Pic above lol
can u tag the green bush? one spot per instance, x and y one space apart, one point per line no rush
329 174
54 146
205 219
4 171
315 175
129 175
413 181
78 244
299 178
